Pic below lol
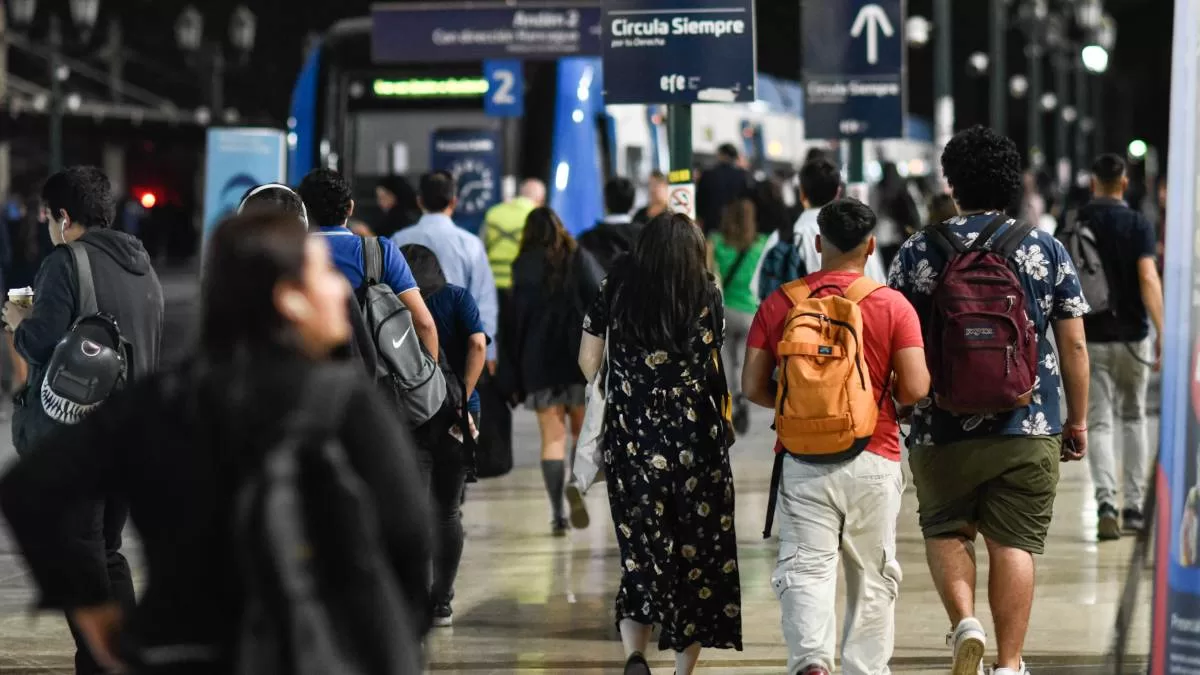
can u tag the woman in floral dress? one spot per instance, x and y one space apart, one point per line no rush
665 454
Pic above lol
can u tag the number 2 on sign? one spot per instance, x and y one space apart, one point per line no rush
505 79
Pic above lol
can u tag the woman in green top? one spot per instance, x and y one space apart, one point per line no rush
733 256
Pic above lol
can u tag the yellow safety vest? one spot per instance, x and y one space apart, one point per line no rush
504 225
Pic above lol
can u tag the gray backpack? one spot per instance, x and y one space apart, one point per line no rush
408 373
1080 242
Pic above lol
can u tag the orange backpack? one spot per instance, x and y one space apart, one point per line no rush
825 408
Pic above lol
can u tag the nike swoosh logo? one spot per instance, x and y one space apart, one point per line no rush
397 343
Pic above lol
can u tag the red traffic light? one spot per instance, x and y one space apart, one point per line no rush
148 200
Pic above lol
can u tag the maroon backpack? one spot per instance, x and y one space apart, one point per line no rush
981 346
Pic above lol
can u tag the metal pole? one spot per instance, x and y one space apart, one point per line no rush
1062 128
855 172
116 60
56 97
217 84
679 139
5 168
1099 142
1036 150
999 54
1081 111
943 76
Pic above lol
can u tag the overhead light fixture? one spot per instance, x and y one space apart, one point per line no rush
1095 59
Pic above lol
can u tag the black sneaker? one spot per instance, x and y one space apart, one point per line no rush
559 527
741 416
636 665
443 615
1110 525
1133 521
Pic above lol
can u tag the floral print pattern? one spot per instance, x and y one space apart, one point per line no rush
1052 292
670 489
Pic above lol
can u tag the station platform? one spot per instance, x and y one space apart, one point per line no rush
530 603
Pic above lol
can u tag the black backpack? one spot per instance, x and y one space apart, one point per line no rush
1080 241
92 359
320 596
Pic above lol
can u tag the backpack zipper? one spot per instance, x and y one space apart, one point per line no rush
862 380
1008 359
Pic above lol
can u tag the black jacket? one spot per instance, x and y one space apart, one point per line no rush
549 324
176 446
127 288
608 241
718 187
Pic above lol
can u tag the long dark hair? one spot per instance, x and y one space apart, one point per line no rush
426 268
544 233
247 256
739 224
659 291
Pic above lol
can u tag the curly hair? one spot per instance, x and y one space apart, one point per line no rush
84 192
327 196
983 169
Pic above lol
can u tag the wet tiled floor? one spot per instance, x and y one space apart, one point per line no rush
529 603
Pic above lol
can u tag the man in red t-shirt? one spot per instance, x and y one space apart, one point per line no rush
848 508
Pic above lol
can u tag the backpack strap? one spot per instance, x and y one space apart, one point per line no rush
1010 241
84 279
861 288
949 243
797 291
372 255
989 230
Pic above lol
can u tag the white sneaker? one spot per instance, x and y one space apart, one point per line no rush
968 642
1010 671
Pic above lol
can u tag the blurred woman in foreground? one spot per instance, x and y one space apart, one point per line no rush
181 446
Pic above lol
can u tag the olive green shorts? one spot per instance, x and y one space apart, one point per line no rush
1001 486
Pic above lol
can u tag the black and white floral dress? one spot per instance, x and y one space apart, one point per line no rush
670 489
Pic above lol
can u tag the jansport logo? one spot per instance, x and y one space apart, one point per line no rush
825 351
982 333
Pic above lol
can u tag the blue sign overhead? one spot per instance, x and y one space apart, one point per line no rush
678 51
472 156
853 68
506 88
469 31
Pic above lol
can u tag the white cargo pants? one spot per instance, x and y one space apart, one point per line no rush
827 511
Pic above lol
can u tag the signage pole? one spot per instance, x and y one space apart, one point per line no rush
854 162
679 140
998 101
943 77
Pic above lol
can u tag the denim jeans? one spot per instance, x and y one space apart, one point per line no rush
1118 395
846 510
444 471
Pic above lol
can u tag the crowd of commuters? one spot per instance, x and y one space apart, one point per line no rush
750 306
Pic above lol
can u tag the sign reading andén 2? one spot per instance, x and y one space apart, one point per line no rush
506 88
853 68
473 31
678 51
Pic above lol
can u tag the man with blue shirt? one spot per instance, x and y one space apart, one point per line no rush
461 254
995 475
327 197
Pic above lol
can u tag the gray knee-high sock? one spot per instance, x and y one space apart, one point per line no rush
552 473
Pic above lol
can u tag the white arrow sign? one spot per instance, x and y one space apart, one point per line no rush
873 19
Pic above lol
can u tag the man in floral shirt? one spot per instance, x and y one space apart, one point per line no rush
995 475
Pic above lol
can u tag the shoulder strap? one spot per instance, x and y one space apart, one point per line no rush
372 254
83 277
986 234
1011 240
861 288
735 267
796 291
949 243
